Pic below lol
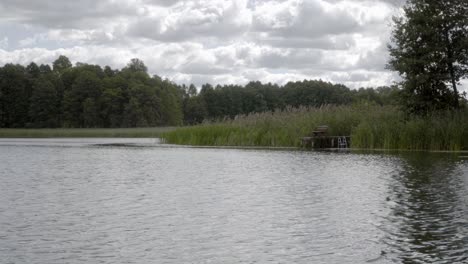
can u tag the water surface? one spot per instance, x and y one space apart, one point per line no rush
136 201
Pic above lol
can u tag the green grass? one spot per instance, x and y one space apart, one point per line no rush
370 127
85 132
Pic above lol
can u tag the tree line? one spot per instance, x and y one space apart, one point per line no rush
89 96
429 50
228 101
86 96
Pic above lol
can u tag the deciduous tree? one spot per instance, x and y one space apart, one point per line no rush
429 50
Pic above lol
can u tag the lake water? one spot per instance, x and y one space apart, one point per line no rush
106 201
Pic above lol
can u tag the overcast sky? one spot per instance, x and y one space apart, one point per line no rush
213 41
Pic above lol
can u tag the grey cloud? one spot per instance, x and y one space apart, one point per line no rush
162 2
305 24
4 43
328 42
311 21
289 59
207 40
358 77
202 68
391 2
192 20
374 60
64 14
394 2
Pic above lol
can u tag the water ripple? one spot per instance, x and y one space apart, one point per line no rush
79 203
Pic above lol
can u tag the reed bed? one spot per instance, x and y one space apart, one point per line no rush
152 132
370 127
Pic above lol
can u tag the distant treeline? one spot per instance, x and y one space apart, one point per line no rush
228 101
86 96
89 96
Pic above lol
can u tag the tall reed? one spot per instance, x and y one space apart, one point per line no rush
370 127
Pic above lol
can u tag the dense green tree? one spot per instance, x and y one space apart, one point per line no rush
254 99
233 99
33 70
430 51
109 72
213 106
143 108
43 109
192 90
381 95
113 105
171 104
91 113
45 68
87 95
86 86
136 65
315 93
95 69
194 110
61 64
14 96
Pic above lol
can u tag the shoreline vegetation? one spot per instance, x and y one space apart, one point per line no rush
78 101
370 127
425 111
147 132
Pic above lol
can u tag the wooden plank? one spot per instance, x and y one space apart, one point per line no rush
325 141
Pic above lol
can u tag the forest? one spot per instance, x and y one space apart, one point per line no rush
63 95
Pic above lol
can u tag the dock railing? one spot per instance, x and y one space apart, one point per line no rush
319 138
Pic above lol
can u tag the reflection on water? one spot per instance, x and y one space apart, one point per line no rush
134 201
429 219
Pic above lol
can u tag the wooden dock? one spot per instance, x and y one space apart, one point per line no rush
320 139
326 142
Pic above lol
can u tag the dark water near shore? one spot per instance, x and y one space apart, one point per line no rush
105 201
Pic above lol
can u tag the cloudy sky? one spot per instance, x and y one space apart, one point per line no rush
215 41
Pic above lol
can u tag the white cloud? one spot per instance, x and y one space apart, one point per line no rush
33 40
194 19
217 41
66 14
4 43
303 19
